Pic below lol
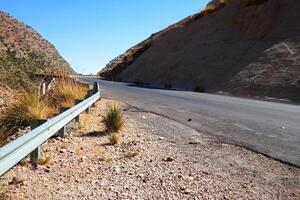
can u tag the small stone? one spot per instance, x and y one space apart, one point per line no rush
82 159
180 176
187 191
117 170
143 117
161 138
182 188
141 175
189 120
194 142
62 151
24 183
19 179
169 159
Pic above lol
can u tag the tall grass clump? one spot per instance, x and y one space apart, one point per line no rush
113 119
64 93
21 112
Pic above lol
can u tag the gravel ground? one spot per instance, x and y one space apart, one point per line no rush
172 162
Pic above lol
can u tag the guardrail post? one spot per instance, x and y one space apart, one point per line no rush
36 154
89 93
94 91
77 118
95 88
61 132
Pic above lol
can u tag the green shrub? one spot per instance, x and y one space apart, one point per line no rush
113 119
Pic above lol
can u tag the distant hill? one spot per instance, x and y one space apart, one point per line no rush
243 47
24 52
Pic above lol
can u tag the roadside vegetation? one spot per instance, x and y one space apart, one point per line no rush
64 93
113 122
130 154
3 190
29 106
21 112
113 119
114 138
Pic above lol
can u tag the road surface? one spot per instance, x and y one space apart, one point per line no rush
270 128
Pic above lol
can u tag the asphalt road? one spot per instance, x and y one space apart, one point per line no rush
266 127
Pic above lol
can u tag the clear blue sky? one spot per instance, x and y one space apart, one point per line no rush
89 33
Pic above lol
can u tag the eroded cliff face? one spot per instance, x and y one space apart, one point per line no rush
247 48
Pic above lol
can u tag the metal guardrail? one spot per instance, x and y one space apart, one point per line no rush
14 152
84 76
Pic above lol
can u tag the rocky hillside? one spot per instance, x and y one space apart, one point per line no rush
244 47
24 52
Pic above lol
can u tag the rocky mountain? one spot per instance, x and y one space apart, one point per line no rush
243 47
23 52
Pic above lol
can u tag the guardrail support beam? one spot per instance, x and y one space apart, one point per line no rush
36 154
77 118
61 132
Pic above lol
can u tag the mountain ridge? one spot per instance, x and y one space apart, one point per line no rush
24 52
247 48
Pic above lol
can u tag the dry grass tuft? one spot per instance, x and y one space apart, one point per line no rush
113 119
64 93
28 106
3 190
43 160
84 121
114 138
102 154
130 154
20 113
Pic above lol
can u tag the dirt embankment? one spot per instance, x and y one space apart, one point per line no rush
247 48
